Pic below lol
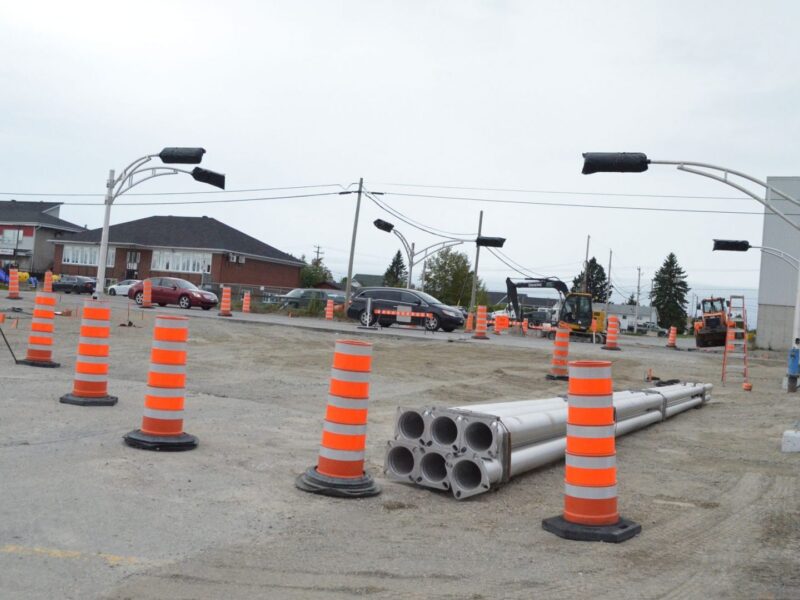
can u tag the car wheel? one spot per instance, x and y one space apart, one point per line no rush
139 298
366 319
112 292
184 302
432 323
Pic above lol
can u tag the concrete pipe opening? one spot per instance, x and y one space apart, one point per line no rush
444 431
401 460
433 467
411 425
467 475
479 436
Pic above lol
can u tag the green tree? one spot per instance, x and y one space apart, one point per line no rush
397 274
314 273
598 282
631 300
448 277
669 293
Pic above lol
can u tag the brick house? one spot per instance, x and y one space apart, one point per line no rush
25 230
199 249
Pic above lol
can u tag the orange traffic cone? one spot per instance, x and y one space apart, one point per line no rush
40 341
480 325
225 305
246 302
13 285
340 465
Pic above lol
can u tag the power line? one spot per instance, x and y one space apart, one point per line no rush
383 204
407 221
223 201
492 251
529 191
577 205
248 190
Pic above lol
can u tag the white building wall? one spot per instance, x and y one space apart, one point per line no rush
777 284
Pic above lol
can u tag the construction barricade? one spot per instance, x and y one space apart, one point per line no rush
469 325
329 310
612 334
162 422
673 338
48 281
40 341
340 464
246 303
480 324
559 368
90 387
13 284
225 304
409 314
147 293
590 481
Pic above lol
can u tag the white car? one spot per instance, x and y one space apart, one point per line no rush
121 288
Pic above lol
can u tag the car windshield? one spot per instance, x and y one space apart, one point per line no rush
428 298
186 285
295 293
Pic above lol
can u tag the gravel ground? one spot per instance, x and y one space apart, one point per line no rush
84 516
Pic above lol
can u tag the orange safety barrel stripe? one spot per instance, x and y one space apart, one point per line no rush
346 416
349 389
40 341
340 468
95 332
591 512
170 334
166 380
163 403
96 312
167 427
591 447
590 416
98 349
590 387
43 327
338 441
590 477
352 362
168 357
89 368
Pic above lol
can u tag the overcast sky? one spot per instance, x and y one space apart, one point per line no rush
465 94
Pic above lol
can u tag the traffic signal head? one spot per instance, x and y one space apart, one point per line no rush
490 242
732 245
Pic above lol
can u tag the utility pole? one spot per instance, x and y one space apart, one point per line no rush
472 306
348 287
318 252
608 297
638 294
586 267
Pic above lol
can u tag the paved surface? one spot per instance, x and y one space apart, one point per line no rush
84 516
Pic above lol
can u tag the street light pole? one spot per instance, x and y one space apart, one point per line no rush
472 296
102 259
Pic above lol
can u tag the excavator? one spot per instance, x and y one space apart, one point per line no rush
711 327
575 312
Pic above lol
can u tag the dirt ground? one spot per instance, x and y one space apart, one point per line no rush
84 516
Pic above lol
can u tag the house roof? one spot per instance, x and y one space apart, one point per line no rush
198 233
364 280
14 212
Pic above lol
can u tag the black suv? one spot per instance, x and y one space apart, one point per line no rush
74 284
442 316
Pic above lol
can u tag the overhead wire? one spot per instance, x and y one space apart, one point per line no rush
408 221
221 201
237 191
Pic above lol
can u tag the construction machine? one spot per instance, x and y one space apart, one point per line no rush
575 308
711 327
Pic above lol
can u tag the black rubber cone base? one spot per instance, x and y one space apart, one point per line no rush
338 487
49 364
552 377
608 348
163 443
78 401
619 532
219 314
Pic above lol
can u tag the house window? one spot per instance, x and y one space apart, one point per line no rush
85 255
181 261
10 238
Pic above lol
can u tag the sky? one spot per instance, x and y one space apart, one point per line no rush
439 105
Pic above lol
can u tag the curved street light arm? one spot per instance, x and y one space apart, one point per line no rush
788 258
433 249
153 173
409 253
129 170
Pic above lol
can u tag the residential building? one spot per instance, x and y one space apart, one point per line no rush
626 313
25 229
363 280
199 249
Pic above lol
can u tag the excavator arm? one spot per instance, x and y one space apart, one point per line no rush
537 283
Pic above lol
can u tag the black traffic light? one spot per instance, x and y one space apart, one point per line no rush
209 177
490 242
183 156
732 245
383 225
614 162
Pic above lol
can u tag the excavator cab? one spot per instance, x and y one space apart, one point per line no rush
576 311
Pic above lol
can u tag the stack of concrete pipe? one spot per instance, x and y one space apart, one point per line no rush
472 449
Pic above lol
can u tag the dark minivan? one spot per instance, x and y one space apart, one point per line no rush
441 316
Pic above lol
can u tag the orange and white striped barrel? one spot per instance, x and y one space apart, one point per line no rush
559 368
246 302
329 310
469 325
162 423
40 341
673 337
480 324
590 483
612 333
48 281
340 464
524 326
225 304
147 293
90 387
13 284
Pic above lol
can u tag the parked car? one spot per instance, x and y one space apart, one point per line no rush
76 284
302 297
171 290
122 287
441 316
